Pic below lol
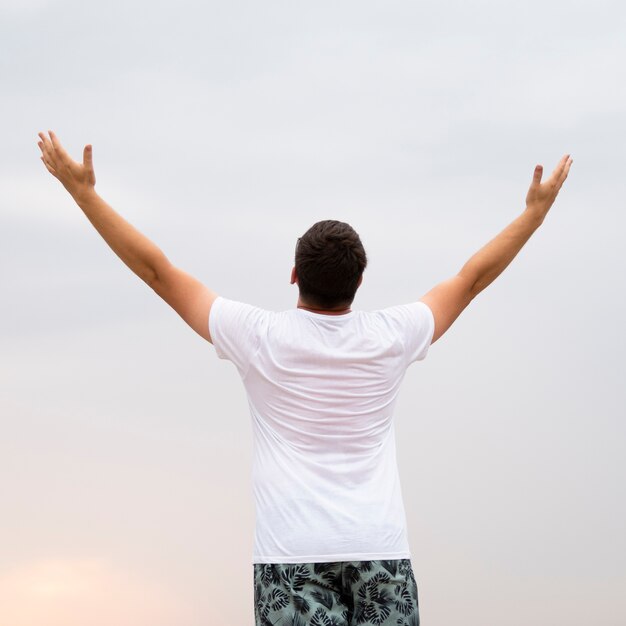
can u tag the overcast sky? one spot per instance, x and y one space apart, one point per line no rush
223 131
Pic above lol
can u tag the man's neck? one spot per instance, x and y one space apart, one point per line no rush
337 311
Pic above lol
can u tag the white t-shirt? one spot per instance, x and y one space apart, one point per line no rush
322 391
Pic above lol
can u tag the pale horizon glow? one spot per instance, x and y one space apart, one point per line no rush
66 592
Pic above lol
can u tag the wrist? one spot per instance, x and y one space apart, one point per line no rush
83 194
536 214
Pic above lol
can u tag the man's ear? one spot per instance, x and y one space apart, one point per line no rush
294 276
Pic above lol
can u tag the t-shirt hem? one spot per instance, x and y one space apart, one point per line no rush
333 558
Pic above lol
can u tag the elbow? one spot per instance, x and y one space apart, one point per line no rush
151 278
152 274
475 289
156 273
472 285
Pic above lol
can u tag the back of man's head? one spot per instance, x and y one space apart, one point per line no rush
330 260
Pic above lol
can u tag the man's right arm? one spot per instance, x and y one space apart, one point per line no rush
185 294
449 298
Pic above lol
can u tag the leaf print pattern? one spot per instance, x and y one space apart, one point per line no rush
320 618
352 573
269 574
323 596
278 599
390 566
374 600
347 593
296 620
301 604
404 600
295 576
328 572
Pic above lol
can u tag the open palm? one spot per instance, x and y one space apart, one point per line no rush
541 196
75 177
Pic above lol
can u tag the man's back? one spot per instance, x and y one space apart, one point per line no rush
322 391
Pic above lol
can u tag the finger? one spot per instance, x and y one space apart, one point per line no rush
47 144
559 170
49 167
559 167
55 141
88 157
538 174
58 147
48 162
565 171
46 150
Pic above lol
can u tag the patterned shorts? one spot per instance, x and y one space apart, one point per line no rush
343 593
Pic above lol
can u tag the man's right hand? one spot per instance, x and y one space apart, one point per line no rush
541 196
79 179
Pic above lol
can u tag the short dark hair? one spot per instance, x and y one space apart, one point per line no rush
330 260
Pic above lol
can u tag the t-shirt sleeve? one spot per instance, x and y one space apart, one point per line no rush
416 325
236 330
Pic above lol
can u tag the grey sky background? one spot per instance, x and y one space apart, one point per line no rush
223 131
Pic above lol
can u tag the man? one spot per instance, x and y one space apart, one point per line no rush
322 381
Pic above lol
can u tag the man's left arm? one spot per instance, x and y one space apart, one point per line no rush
449 298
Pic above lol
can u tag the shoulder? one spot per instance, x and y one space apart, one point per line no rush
230 306
233 314
236 329
412 313
413 323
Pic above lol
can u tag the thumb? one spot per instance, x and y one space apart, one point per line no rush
537 175
88 157
88 164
